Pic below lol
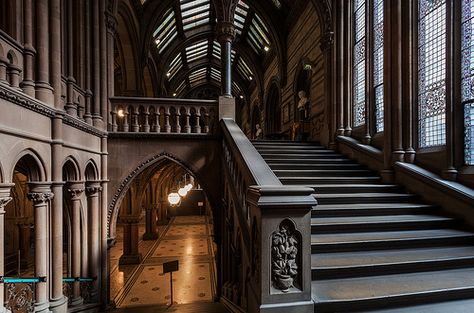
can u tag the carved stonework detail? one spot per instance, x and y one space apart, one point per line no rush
225 32
93 190
285 246
327 40
40 197
225 10
75 193
4 202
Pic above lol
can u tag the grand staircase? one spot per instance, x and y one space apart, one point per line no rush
375 247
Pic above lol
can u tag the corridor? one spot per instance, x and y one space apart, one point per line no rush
187 239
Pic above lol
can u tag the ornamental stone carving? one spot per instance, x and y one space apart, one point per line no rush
3 202
40 197
75 193
93 190
285 249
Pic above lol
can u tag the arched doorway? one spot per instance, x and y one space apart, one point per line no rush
151 230
273 112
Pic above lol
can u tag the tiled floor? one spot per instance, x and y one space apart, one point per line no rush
187 239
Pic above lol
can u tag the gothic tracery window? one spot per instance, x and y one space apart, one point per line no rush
359 64
467 78
431 73
378 29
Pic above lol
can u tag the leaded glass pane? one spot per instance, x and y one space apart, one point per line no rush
378 63
359 63
432 73
467 79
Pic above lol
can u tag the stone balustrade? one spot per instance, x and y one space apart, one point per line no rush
163 115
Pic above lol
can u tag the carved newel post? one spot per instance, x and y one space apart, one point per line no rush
281 247
41 196
4 200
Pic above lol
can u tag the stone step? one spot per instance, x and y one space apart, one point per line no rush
366 197
311 161
323 173
197 307
288 142
325 166
377 240
295 151
269 156
369 263
355 188
288 147
375 292
455 306
365 209
378 223
309 181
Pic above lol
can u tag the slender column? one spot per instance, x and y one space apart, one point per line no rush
55 59
150 224
104 106
70 107
178 125
111 29
57 299
135 126
125 122
41 195
44 91
88 61
105 256
347 103
93 206
130 240
29 52
75 190
3 70
206 122
14 75
146 125
4 200
114 121
156 127
96 118
167 121
339 86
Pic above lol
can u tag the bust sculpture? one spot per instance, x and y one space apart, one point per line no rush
303 105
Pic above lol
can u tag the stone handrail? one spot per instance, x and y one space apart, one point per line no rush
163 115
267 228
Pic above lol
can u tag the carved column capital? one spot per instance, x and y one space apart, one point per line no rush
75 190
327 40
225 31
111 22
93 189
40 197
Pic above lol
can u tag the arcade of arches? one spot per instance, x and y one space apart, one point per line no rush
293 156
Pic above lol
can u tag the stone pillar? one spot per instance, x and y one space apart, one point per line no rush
75 190
150 224
111 29
40 194
131 255
104 108
29 52
105 258
339 65
3 70
93 206
88 61
14 75
225 36
70 107
55 59
96 118
4 200
44 91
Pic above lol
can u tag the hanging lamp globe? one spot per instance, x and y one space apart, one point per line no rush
174 198
183 191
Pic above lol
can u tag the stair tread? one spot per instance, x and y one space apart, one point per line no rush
377 219
357 206
457 306
386 236
362 195
384 257
388 286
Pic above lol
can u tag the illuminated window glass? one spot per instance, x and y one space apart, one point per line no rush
378 63
216 50
358 71
181 87
432 72
166 32
244 69
197 75
240 16
216 74
467 78
194 13
258 36
175 66
197 51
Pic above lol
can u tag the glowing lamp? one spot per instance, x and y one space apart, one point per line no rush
174 198
183 191
120 113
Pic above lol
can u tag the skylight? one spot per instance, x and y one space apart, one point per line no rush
216 52
175 66
241 12
194 13
197 51
166 32
216 74
181 87
197 75
258 36
244 69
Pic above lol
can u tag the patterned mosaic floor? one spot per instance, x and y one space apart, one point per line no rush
187 239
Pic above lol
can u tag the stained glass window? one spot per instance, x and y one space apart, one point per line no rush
378 63
359 63
432 72
467 78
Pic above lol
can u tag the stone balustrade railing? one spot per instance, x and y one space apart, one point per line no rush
266 230
163 115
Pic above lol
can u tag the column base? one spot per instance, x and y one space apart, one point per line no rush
77 301
58 305
42 307
150 236
130 259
